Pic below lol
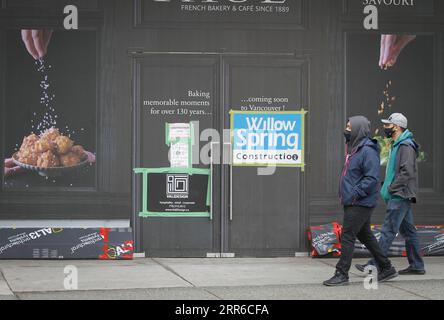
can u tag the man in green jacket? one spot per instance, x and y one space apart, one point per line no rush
399 191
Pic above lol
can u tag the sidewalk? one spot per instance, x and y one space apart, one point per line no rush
210 278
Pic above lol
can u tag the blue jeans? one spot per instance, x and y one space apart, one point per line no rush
399 218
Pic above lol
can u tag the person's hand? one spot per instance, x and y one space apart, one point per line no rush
391 47
36 42
10 167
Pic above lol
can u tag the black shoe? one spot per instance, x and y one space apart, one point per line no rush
410 270
387 274
361 267
337 280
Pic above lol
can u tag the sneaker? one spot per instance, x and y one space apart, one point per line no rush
387 274
410 270
361 267
338 279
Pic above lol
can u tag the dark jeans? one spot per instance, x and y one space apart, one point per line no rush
357 225
399 218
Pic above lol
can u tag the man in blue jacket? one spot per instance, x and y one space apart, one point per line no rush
358 192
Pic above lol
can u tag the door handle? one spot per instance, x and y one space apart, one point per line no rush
231 178
212 143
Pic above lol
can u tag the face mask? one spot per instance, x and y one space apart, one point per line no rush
347 136
389 132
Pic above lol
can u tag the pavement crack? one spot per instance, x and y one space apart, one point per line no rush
7 283
184 279
211 293
173 272
408 291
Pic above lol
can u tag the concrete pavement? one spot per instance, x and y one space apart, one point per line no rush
209 278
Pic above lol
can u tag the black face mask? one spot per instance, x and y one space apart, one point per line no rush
347 136
389 132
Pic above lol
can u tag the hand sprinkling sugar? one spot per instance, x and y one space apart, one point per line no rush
391 47
36 42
